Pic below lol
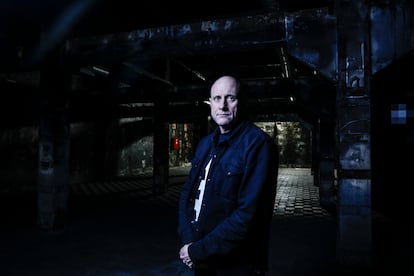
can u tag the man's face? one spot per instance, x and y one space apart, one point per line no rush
224 102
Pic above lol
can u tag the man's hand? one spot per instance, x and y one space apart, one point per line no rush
185 257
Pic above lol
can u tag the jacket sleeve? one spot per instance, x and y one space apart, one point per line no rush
258 181
184 226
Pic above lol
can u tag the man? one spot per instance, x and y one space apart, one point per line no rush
226 204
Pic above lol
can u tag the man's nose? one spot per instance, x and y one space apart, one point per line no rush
223 104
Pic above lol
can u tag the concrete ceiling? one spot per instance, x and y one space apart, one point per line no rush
119 53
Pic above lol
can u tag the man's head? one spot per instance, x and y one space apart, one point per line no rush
225 102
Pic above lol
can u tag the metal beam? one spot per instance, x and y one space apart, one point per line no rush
221 35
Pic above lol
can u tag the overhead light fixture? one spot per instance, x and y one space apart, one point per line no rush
130 120
100 70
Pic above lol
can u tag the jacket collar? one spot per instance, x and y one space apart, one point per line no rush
231 136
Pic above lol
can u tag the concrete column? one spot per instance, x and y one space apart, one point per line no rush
354 137
327 193
161 147
54 146
53 176
315 154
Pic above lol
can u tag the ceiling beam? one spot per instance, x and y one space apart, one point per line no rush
204 37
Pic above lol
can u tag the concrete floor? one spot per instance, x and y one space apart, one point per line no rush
121 229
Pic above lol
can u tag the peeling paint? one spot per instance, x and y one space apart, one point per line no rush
354 192
209 26
185 29
357 156
228 24
46 158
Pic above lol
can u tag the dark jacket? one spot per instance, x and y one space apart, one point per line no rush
234 222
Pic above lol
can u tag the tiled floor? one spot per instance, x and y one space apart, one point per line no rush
122 229
296 194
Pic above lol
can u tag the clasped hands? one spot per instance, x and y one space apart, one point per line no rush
185 257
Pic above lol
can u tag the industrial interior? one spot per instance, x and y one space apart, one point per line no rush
99 91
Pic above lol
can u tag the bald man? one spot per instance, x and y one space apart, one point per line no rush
226 204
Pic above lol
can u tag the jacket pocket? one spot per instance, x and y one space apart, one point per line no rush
229 185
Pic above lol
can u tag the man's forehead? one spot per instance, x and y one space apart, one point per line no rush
224 93
224 88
